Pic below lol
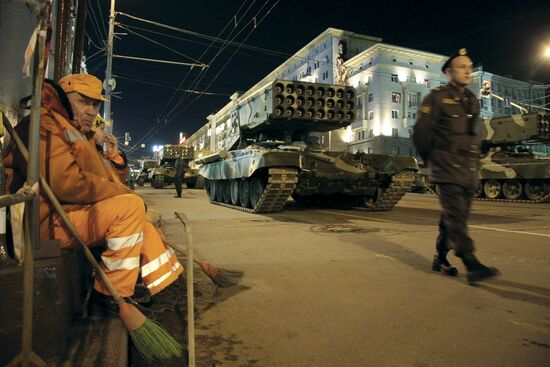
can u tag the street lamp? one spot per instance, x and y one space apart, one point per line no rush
547 52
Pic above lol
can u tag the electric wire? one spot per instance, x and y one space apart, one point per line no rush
158 121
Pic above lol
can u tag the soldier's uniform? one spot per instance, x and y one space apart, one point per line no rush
453 162
179 168
448 140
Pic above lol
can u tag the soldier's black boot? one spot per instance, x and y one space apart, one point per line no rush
442 265
476 270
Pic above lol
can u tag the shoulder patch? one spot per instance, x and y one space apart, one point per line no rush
425 109
449 101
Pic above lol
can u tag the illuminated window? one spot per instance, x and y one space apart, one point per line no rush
370 115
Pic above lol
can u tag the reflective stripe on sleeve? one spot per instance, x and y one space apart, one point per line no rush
129 263
118 243
163 278
155 264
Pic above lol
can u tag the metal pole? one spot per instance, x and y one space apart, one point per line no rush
79 34
108 71
27 356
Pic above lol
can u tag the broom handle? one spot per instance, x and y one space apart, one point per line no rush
190 290
51 196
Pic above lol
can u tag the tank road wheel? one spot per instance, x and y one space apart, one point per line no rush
158 182
535 189
235 192
256 190
512 189
219 190
244 193
211 190
370 201
227 191
492 189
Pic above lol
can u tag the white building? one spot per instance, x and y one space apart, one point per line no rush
391 82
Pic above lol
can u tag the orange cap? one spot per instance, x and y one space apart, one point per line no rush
85 84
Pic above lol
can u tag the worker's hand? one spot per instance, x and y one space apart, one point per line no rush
111 146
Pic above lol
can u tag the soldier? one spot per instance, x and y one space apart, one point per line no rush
179 170
447 138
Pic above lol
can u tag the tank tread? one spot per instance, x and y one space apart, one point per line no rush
399 186
280 184
544 199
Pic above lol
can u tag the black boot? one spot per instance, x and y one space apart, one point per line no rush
476 270
442 265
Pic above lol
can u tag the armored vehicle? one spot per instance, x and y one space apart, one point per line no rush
271 152
164 174
145 166
509 170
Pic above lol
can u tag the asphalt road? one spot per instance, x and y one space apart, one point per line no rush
327 287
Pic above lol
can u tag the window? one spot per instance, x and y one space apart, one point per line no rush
394 114
362 134
394 132
358 136
371 133
410 134
499 103
370 98
370 115
396 97
394 78
395 151
413 99
369 150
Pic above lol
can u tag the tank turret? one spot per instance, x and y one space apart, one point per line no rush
267 152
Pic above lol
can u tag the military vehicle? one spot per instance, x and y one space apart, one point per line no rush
145 166
509 170
269 151
164 174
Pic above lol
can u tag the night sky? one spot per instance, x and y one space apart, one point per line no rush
507 37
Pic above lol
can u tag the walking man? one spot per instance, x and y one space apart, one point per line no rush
179 170
447 138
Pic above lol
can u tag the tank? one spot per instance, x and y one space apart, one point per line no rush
509 170
145 167
164 174
271 152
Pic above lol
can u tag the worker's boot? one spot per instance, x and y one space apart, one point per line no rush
170 298
106 305
476 270
442 265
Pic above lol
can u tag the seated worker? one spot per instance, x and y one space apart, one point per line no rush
107 146
102 209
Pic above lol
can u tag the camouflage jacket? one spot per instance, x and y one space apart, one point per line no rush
450 120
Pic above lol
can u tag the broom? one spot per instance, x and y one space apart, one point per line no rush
223 278
150 339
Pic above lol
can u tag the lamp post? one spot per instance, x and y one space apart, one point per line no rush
109 82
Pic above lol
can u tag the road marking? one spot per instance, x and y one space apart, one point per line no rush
509 231
357 216
530 327
382 256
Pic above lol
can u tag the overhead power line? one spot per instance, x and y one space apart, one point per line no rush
203 66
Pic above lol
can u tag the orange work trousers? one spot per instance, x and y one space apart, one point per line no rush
133 244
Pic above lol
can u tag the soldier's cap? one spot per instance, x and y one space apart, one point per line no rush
85 84
461 52
98 121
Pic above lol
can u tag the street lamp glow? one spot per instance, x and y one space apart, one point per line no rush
547 52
